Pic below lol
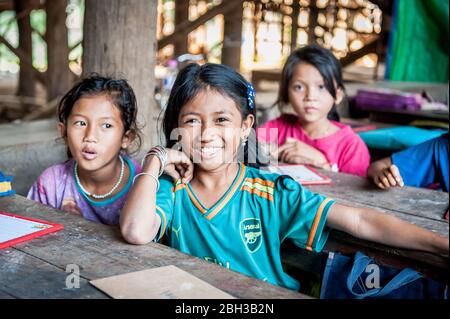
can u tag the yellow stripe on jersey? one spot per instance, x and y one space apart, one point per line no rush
163 222
258 186
257 192
315 224
178 187
260 181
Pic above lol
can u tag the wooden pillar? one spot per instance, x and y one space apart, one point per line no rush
181 15
232 39
26 85
120 40
312 22
58 73
294 28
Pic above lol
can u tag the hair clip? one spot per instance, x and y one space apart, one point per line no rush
250 95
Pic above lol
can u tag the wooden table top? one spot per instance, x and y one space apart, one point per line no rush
422 207
37 268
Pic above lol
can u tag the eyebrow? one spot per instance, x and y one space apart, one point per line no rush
102 118
305 79
198 114
189 113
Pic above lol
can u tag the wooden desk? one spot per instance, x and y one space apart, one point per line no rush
36 269
406 116
422 207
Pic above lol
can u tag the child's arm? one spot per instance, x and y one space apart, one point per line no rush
379 227
298 152
139 222
385 174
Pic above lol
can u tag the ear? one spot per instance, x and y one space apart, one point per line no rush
339 95
62 130
128 138
247 125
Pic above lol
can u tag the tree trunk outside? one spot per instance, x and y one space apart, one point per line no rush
58 73
120 41
27 83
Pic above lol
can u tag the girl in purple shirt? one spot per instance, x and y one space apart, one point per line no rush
97 119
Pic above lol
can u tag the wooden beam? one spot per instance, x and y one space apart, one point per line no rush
294 25
6 5
184 28
181 16
351 57
40 76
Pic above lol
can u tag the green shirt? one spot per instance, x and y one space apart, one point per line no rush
243 231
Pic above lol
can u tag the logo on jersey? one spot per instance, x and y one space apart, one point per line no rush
251 233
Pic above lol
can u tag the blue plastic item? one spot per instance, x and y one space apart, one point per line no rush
398 138
5 185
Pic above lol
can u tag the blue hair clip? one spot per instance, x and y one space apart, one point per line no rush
250 95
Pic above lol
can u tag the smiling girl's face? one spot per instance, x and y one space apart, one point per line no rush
212 129
94 132
308 94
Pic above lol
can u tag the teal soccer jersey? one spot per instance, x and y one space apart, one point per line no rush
243 231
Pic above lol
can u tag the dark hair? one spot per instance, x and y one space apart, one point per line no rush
118 90
194 78
324 61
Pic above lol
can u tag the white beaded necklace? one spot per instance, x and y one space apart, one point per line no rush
77 179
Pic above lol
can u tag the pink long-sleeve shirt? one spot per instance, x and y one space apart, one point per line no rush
344 148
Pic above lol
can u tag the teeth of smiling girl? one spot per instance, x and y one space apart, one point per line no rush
210 150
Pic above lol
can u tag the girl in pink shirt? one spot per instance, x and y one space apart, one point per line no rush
312 84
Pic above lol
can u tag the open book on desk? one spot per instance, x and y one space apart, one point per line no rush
303 174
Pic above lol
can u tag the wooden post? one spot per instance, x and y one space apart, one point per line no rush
181 15
120 40
294 25
312 22
26 74
232 39
58 73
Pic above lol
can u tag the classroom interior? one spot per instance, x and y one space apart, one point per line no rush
396 97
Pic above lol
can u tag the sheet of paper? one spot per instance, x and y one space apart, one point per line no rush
297 172
168 282
12 227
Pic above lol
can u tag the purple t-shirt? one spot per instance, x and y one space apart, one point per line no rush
56 187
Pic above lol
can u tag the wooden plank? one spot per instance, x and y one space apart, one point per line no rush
100 252
422 202
25 276
440 227
181 30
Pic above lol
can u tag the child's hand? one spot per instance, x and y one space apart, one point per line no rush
297 152
179 166
388 177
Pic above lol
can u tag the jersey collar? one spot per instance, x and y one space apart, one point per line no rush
223 201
